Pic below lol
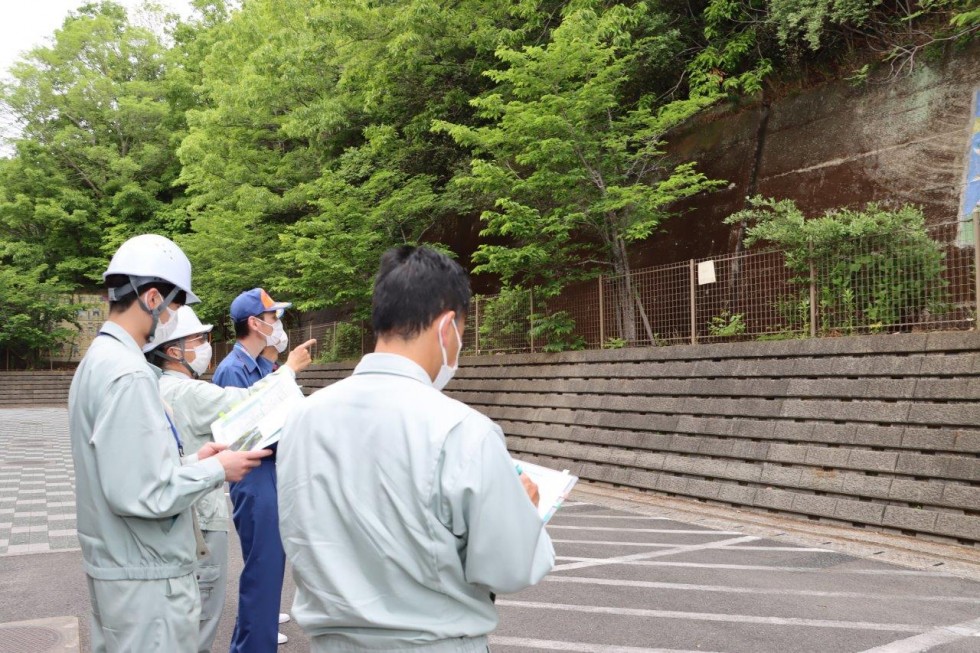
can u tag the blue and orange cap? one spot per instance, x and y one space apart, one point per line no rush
256 302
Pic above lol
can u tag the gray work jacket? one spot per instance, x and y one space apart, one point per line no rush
196 405
133 495
400 511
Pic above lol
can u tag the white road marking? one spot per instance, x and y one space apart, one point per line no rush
642 530
804 570
711 616
550 644
931 639
583 580
579 515
655 554
697 546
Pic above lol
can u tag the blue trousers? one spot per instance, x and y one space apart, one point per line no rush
256 516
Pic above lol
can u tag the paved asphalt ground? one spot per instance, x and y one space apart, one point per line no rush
634 575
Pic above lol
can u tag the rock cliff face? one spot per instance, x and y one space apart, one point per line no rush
825 146
831 145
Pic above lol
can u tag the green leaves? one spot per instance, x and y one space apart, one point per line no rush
570 160
874 267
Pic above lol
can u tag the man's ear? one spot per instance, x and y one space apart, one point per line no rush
443 323
149 298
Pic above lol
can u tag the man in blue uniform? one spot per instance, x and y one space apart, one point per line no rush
257 326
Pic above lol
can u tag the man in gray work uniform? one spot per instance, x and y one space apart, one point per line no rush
133 490
196 405
400 509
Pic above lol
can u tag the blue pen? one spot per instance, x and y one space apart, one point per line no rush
519 469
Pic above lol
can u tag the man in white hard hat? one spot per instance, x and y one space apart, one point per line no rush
196 405
133 487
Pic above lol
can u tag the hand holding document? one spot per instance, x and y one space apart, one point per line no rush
256 422
553 486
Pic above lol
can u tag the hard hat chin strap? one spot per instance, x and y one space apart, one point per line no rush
160 353
133 285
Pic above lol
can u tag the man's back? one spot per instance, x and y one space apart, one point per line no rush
401 511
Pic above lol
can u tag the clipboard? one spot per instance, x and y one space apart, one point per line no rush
553 486
256 422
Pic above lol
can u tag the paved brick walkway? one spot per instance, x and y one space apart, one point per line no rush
37 486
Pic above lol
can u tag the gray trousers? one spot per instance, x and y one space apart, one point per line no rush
145 615
212 579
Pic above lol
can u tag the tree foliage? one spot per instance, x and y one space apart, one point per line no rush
746 41
570 159
287 143
874 268
93 162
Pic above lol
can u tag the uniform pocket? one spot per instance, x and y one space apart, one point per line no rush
207 580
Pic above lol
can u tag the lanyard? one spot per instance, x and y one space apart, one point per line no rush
173 429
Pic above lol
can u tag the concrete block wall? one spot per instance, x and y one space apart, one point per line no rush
878 432
34 388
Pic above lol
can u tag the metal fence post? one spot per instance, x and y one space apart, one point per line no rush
694 307
602 316
476 324
531 319
976 265
813 294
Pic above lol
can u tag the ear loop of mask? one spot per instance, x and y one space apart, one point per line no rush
442 344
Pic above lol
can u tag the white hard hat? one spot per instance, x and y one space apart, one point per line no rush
188 324
150 258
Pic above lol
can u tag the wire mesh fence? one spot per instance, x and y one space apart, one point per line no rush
881 284
916 281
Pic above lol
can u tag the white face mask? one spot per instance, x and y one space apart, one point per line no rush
278 338
163 331
447 371
202 358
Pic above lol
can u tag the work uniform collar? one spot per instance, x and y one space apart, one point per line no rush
251 365
116 332
392 364
179 375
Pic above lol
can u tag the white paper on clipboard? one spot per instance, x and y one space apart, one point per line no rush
256 422
553 486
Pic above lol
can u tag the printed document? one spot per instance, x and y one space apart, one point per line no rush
553 486
256 422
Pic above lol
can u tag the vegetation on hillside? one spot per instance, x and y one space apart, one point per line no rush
289 142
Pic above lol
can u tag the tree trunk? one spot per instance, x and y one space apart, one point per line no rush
625 306
627 298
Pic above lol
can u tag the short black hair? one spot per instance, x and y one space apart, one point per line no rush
241 329
123 303
414 285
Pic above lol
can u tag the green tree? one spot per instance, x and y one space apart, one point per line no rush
571 156
746 41
92 162
313 151
35 311
874 267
